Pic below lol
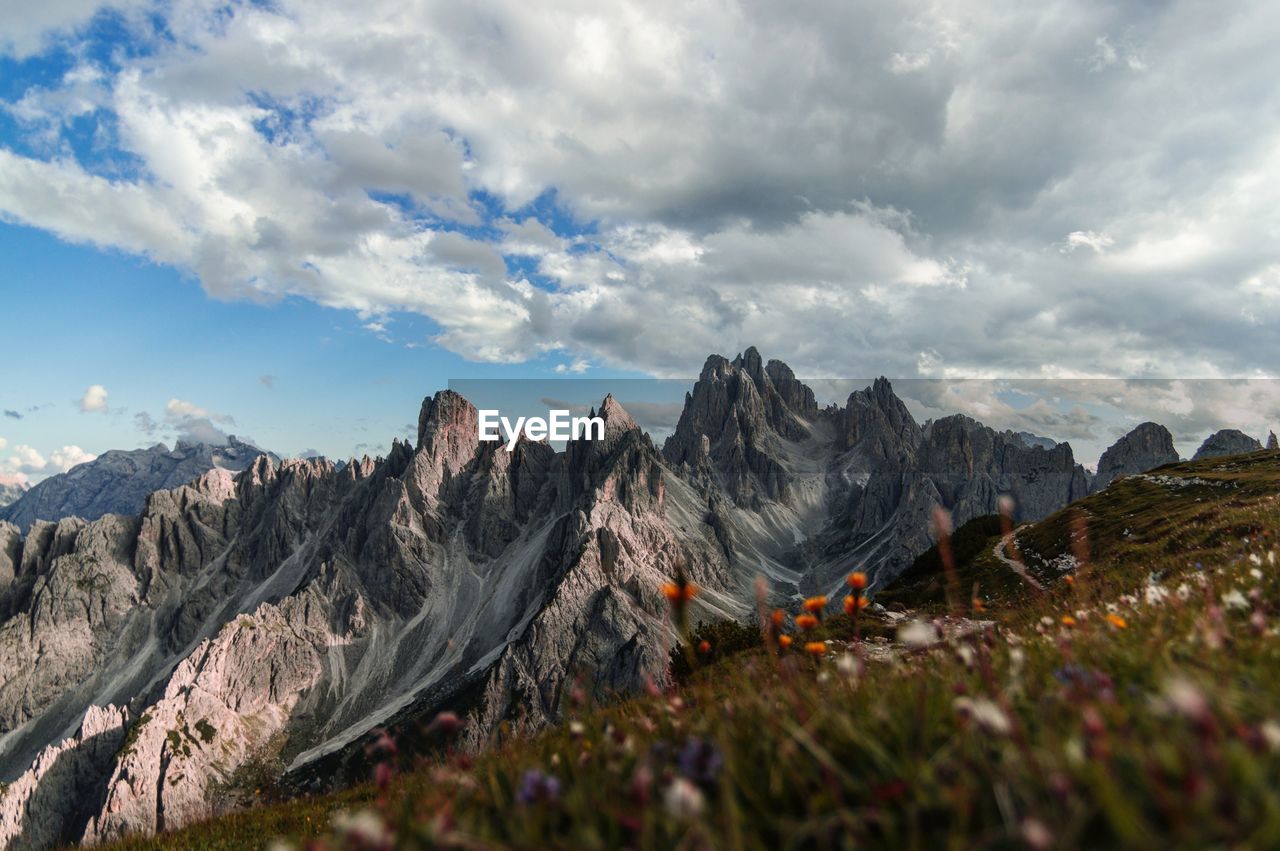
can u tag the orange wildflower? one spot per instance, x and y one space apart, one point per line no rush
677 594
978 605
815 605
857 580
853 604
815 648
806 622
1116 621
1067 620
784 641
1069 579
778 618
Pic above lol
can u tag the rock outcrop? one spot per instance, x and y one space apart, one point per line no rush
119 481
1146 447
1228 441
1272 443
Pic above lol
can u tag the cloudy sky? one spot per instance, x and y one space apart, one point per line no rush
291 220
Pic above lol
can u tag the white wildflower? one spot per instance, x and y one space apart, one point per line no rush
1234 600
1155 594
1255 559
917 634
364 827
1271 734
986 714
1185 698
684 800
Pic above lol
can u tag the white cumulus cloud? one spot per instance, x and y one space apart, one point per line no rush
94 399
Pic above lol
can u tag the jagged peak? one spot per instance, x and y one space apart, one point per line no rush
446 415
1272 443
616 417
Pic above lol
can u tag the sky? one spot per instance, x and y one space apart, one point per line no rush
291 220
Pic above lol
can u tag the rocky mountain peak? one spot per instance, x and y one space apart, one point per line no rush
878 423
734 412
1272 443
1145 447
449 427
1228 441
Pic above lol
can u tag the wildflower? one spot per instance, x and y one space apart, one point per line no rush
784 641
847 665
857 580
853 604
985 714
363 829
917 634
778 618
1234 600
684 800
678 594
806 622
1183 697
977 604
445 722
815 605
1116 621
700 761
704 647
1069 579
1270 731
815 648
1155 594
1036 835
1068 621
536 787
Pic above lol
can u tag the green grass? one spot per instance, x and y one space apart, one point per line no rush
1157 728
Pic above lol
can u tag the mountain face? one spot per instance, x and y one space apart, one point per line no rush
119 481
1272 443
9 494
276 615
1146 447
1229 441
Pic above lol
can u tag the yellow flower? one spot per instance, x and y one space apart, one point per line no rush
815 648
806 622
857 580
815 604
1116 621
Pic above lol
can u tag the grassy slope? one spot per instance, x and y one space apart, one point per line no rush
1158 728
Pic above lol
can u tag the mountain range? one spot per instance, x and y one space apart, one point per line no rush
119 481
275 616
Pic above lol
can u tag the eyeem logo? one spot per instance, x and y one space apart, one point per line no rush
559 425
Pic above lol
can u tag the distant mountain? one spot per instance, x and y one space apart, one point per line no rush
1229 441
119 481
1146 447
10 494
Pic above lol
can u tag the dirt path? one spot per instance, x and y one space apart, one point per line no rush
1016 566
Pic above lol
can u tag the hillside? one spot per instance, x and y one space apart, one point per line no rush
1132 701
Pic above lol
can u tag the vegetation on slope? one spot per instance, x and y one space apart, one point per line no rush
1131 702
